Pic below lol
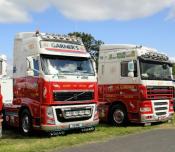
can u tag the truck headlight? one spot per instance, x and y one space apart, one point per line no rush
145 109
50 115
50 112
87 112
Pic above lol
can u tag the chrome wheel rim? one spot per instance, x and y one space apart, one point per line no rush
25 123
118 116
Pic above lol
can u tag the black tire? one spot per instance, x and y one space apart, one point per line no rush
25 125
118 115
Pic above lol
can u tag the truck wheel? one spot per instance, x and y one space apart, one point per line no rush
118 115
25 122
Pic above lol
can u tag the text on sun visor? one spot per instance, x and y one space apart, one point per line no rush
60 45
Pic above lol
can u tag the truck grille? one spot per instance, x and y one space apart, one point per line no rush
161 107
73 96
160 92
74 114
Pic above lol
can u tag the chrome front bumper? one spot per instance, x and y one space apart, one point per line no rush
71 126
78 124
155 118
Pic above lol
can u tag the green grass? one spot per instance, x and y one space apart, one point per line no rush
13 142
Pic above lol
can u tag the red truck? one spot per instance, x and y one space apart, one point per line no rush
135 84
55 84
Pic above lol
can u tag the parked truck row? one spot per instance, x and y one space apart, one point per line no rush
54 86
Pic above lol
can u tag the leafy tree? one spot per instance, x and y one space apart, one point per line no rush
91 44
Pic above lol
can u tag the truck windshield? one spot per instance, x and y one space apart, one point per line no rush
66 65
155 71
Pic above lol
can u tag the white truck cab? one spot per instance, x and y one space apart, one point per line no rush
135 84
6 82
55 84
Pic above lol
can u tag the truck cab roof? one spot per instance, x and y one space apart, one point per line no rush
107 47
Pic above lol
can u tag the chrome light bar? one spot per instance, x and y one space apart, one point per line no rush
58 37
155 56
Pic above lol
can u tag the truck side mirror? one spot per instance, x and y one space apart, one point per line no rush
94 65
131 69
131 74
29 63
3 65
30 73
32 67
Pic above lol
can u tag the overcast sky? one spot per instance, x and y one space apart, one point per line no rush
143 22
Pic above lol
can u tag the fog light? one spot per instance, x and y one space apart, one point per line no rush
148 117
49 112
50 115
96 116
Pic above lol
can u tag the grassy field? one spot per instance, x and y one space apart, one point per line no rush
13 142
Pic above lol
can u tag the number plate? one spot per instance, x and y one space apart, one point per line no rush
75 125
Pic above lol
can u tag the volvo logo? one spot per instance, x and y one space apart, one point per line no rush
75 96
